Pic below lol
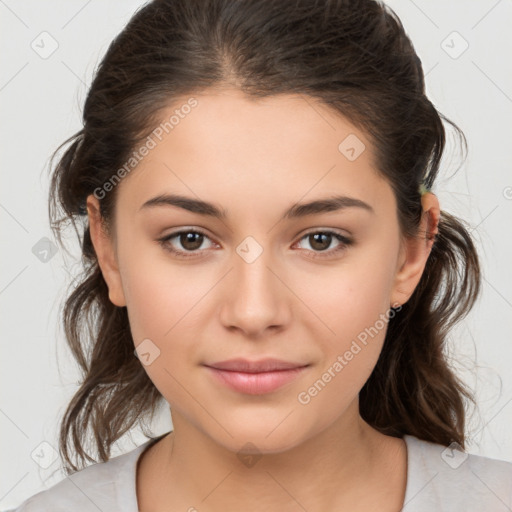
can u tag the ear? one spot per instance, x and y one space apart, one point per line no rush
104 247
415 251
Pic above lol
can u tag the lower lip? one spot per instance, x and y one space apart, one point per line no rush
256 383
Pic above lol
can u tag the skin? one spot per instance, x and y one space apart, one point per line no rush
255 159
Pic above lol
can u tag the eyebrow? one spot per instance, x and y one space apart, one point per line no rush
324 205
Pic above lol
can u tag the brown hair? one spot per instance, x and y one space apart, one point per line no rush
355 57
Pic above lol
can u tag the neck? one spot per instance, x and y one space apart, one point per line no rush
342 466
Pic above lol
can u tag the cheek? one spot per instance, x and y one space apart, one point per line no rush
352 296
160 301
352 302
157 293
355 306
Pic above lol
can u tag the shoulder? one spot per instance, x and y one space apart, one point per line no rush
101 486
446 478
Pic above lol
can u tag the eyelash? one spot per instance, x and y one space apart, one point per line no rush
345 242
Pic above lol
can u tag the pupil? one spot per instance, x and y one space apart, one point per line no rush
315 239
188 238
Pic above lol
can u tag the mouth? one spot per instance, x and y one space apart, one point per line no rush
256 377
268 364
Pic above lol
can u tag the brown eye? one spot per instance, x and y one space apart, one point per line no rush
321 241
189 242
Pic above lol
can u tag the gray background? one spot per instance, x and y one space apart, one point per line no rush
40 102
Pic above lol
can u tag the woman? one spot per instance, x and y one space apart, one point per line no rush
255 180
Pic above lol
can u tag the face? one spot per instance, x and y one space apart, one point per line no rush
313 287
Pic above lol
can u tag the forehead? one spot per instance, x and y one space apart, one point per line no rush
250 153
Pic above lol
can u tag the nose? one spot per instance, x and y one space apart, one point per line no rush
255 296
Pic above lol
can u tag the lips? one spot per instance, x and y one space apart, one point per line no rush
263 365
255 377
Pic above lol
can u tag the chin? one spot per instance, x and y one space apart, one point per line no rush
250 441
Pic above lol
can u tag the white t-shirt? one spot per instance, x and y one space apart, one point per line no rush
438 479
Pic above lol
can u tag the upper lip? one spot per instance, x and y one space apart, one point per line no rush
262 365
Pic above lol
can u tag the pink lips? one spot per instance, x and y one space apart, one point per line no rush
255 377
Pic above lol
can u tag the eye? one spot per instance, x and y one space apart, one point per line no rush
190 239
321 240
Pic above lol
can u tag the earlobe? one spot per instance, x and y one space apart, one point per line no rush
415 251
105 252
